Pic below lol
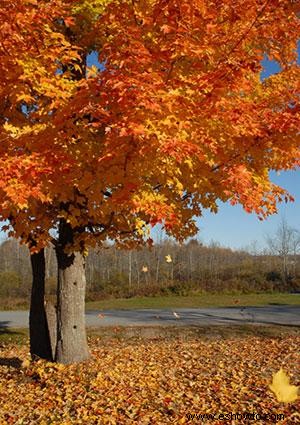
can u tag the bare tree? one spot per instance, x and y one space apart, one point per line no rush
286 244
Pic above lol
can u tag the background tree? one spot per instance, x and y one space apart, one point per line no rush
176 120
286 244
107 272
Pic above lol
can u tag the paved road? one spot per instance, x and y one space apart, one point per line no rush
279 315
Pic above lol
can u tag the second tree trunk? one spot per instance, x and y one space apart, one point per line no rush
71 334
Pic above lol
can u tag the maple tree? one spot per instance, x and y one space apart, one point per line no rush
175 119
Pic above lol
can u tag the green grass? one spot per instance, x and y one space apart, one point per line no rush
14 336
190 301
194 301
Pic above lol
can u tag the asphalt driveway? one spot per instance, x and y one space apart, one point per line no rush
272 315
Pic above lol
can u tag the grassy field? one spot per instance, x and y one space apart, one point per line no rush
13 336
194 301
165 302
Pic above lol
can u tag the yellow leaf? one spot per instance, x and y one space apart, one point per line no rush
25 97
189 163
92 71
26 363
282 389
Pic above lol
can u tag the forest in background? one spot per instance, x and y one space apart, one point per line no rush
166 268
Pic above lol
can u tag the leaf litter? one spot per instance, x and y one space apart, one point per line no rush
152 382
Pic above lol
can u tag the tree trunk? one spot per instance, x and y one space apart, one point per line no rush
40 345
52 325
285 272
71 335
129 270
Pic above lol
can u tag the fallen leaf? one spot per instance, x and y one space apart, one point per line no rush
281 387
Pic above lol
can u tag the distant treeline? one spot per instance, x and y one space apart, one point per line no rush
167 268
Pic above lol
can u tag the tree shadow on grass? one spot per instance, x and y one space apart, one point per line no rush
3 326
5 330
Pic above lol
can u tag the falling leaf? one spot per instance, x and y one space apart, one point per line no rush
281 387
168 258
145 269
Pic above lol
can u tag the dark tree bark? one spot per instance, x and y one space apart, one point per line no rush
40 346
71 334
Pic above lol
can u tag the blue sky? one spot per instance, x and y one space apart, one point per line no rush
235 228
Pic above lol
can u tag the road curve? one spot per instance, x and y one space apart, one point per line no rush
264 315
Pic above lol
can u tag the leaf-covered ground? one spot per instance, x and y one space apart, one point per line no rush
151 382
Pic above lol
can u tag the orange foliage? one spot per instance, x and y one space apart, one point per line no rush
177 120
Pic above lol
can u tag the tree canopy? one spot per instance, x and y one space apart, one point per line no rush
175 118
